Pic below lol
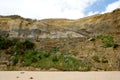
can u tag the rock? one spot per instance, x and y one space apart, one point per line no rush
91 39
53 69
31 77
4 63
22 72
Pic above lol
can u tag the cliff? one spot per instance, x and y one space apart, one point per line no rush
18 27
93 40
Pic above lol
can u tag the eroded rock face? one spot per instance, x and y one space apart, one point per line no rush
18 27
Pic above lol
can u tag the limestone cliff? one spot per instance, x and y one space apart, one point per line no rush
93 40
18 27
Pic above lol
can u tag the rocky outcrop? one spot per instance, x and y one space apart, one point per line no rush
18 27
76 38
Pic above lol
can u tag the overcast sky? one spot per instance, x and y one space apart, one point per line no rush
71 9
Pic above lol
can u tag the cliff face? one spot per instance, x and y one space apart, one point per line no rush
18 27
76 38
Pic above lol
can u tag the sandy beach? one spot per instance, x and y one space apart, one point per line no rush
36 75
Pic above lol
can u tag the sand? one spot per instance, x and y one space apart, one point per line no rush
38 75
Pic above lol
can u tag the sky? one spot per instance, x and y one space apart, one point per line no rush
70 9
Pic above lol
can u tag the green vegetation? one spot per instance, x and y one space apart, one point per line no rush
28 44
96 58
12 16
5 43
54 50
14 58
108 41
22 53
46 61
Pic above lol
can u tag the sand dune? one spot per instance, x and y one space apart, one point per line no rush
36 75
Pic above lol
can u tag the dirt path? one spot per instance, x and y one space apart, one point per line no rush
36 75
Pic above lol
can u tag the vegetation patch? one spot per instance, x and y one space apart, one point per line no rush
5 43
108 41
22 53
46 61
96 58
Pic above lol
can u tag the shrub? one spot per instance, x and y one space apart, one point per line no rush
68 63
108 40
28 44
55 58
21 46
46 55
55 49
46 61
30 57
96 58
100 36
14 58
5 43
